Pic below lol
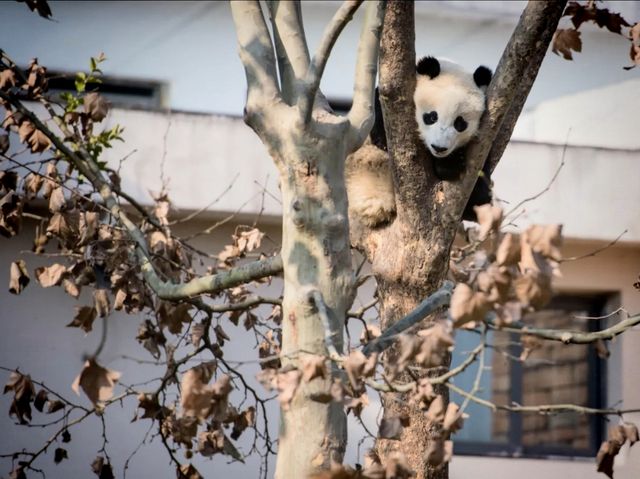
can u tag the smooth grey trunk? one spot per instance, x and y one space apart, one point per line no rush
316 256
309 145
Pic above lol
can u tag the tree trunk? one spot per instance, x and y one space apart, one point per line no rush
316 257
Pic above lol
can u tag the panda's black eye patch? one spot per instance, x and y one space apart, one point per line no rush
430 118
460 124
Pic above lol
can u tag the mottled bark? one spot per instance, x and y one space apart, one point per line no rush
309 146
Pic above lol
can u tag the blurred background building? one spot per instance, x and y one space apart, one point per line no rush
178 88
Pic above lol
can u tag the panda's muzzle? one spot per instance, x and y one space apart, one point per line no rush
439 149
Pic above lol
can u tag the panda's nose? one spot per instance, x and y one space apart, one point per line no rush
438 149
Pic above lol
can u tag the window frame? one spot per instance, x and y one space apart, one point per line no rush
596 392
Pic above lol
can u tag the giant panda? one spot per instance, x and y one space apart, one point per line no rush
449 102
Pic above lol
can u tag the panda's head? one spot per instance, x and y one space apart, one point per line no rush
449 103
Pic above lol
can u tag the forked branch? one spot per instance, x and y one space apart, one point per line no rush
319 61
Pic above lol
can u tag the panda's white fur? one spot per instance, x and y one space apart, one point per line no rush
443 87
451 94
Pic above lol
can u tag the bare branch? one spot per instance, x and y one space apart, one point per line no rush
315 297
362 108
211 283
543 408
316 68
256 52
526 78
291 46
564 336
428 306
389 387
596 251
206 284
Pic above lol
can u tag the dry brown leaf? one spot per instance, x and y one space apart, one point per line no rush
245 419
453 420
546 240
25 131
436 411
188 471
529 344
467 305
564 41
423 393
533 289
196 399
435 343
249 240
508 253
18 277
96 382
7 79
631 433
70 287
359 366
102 468
356 405
313 367
605 458
489 219
101 302
210 442
23 394
39 142
369 333
197 331
32 184
96 106
51 275
288 382
84 318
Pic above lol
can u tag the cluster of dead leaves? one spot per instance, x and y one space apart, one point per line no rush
514 276
11 205
202 403
245 240
567 40
610 448
24 394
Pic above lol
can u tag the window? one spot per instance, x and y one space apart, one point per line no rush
119 91
555 373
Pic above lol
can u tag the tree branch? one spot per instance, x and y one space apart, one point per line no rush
206 284
256 53
509 88
362 108
525 82
291 46
428 306
210 284
567 337
543 408
316 68
315 298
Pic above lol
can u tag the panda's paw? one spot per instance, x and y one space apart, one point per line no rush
374 211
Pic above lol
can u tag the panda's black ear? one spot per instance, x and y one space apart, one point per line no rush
482 76
428 66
